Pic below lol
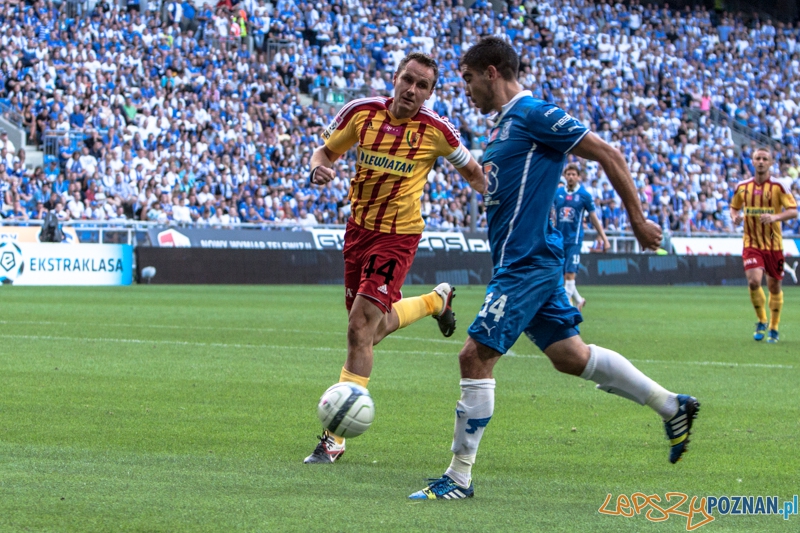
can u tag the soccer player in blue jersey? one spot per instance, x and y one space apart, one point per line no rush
571 203
523 160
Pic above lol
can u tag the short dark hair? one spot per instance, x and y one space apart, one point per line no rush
574 167
424 60
492 51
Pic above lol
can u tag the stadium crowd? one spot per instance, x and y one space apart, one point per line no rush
184 114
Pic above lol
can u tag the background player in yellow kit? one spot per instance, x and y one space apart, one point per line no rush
763 204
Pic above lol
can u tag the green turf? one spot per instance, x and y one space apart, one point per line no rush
191 408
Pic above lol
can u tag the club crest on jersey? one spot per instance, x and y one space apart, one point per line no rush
505 130
413 139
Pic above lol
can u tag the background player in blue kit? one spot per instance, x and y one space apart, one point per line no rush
571 203
523 161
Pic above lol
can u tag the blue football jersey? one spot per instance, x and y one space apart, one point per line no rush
522 162
570 206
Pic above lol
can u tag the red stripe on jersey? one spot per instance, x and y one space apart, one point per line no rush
397 184
429 118
394 222
749 222
768 233
760 238
368 175
366 126
361 104
377 188
355 196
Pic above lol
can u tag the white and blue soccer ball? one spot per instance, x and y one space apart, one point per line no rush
346 410
11 262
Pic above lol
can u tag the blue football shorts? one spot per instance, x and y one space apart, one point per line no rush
527 299
572 258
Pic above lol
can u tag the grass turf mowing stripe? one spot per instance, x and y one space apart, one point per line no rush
329 349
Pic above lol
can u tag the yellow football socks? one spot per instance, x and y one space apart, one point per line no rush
409 310
346 375
758 299
775 306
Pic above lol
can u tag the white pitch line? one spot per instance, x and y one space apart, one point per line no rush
668 362
709 363
341 350
203 344
158 326
222 328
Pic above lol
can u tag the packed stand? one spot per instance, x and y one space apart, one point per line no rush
185 115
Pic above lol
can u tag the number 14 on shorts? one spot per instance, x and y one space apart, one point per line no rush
494 308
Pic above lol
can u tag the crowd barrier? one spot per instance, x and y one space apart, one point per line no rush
313 256
316 267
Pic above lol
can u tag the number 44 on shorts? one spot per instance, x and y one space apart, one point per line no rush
495 307
386 270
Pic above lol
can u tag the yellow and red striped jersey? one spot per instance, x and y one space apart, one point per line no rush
393 161
758 199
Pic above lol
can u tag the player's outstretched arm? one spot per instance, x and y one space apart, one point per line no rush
596 149
321 165
601 234
473 173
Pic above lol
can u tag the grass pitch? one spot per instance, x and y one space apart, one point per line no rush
166 409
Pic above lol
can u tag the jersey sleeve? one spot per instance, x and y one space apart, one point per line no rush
556 128
588 201
448 144
737 202
788 201
341 134
559 198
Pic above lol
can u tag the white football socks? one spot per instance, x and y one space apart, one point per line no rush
613 373
473 413
576 296
569 288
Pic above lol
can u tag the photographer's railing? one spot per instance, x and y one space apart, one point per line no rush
52 139
338 97
10 114
135 232
745 133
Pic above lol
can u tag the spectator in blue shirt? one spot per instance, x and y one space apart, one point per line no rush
188 21
77 120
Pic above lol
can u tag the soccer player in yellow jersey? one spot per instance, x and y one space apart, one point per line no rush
398 140
763 204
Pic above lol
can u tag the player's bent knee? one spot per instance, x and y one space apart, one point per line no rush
569 355
361 329
476 360
467 357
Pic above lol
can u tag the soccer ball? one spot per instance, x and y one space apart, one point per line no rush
346 409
